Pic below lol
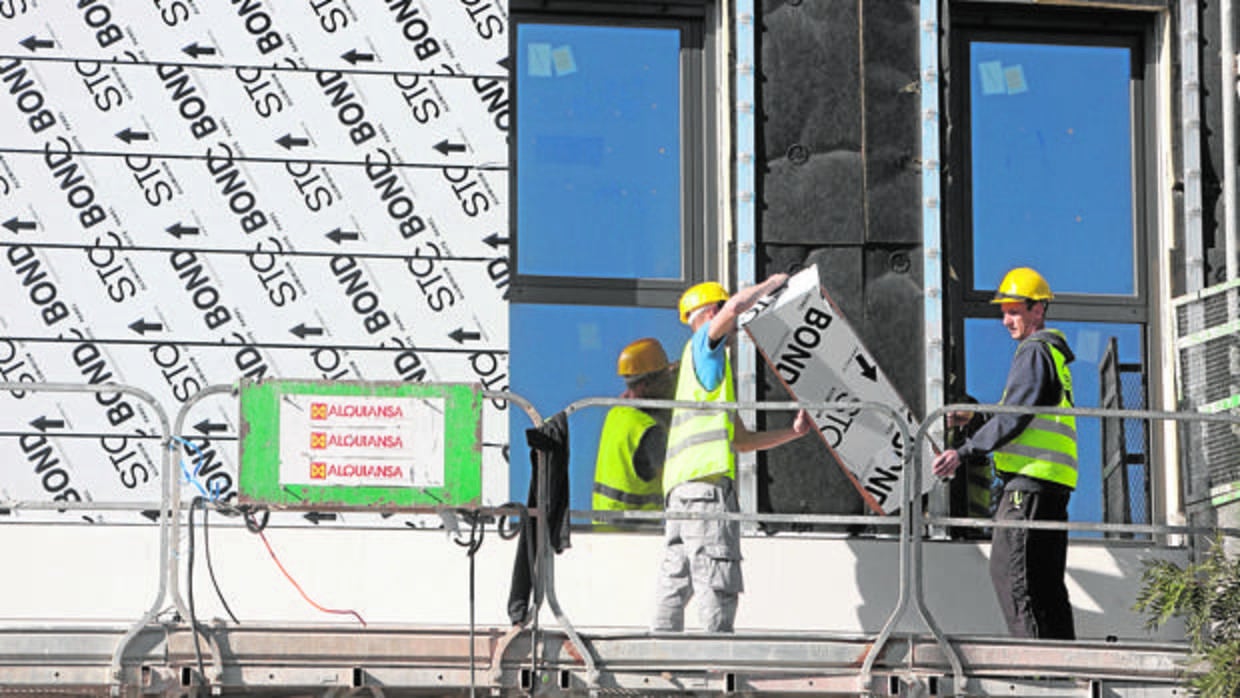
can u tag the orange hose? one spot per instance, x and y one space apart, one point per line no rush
301 591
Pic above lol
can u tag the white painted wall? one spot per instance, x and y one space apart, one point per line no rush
803 583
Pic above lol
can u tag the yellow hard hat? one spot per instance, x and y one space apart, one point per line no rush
699 295
643 356
1022 283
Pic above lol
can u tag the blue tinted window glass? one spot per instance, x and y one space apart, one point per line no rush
1052 165
988 355
598 151
562 353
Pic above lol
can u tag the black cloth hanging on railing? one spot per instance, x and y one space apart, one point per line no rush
548 443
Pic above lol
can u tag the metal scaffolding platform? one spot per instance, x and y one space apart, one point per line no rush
290 660
160 654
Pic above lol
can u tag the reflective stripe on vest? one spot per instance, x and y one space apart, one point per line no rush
699 443
612 499
616 484
1046 449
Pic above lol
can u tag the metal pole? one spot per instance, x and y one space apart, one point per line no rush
1190 133
745 225
1228 58
931 223
174 573
115 670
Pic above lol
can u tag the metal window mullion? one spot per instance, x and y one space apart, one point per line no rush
745 226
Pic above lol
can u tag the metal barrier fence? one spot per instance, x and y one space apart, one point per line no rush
170 512
903 522
913 526
914 582
911 523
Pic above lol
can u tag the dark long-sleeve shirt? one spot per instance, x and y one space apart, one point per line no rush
1032 381
648 458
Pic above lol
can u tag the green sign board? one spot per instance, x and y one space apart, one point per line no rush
336 445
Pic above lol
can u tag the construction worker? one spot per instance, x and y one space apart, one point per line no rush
628 473
703 556
1036 457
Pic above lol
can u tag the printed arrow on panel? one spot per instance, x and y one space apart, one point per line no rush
152 514
129 135
17 225
141 326
34 43
179 231
337 236
289 141
315 517
208 427
43 423
460 334
194 50
868 369
445 147
495 240
302 331
353 56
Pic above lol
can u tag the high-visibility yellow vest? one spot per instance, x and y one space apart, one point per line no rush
1046 449
699 442
979 476
616 484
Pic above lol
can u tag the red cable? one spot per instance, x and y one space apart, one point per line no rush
298 586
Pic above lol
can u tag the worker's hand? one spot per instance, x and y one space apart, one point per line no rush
776 280
802 423
945 463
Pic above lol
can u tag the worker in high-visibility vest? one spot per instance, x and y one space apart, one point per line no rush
1036 457
702 557
628 473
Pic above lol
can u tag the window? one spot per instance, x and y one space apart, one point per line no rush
1052 184
614 201
599 152
613 194
572 356
1051 159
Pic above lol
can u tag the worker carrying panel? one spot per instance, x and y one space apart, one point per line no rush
818 357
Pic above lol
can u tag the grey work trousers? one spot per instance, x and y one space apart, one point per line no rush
701 557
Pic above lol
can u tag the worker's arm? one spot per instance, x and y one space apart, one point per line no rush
1030 383
724 322
648 457
744 440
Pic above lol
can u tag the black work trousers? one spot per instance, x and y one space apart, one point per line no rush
1027 565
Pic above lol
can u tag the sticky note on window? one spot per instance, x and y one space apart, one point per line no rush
991 73
562 58
1014 77
539 59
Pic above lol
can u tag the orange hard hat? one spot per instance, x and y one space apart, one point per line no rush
1022 283
699 295
640 357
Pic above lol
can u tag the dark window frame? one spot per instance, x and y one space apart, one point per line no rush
965 299
699 128
993 23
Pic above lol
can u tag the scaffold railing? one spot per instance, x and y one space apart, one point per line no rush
518 656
